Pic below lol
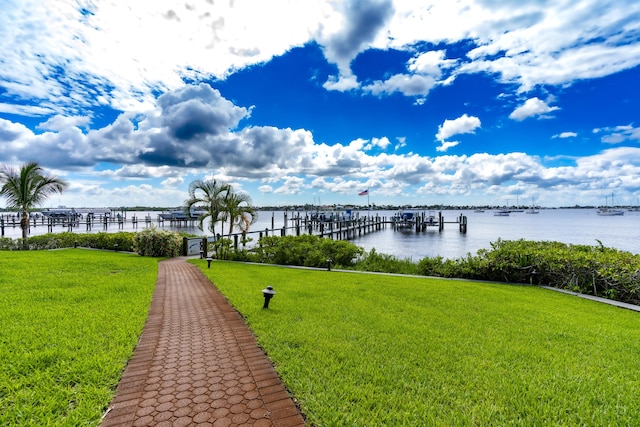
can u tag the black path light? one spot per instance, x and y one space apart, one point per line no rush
534 279
329 264
209 259
268 293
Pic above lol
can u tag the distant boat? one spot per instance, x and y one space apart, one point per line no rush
609 211
179 214
174 215
330 214
518 208
196 212
405 219
479 211
60 212
431 220
502 212
532 209
94 212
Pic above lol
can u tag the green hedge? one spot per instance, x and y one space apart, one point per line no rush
306 250
148 242
594 270
101 240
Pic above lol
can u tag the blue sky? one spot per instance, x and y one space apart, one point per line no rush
294 102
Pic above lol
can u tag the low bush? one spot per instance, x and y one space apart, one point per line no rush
306 250
154 242
374 261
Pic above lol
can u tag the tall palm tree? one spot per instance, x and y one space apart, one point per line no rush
239 212
209 194
27 188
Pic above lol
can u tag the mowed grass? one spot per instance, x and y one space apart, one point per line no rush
376 350
69 321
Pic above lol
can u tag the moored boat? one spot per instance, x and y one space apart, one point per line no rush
174 215
59 213
405 219
609 211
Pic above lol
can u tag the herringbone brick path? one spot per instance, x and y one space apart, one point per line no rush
197 363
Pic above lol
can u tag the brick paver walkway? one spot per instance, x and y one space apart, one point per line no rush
197 363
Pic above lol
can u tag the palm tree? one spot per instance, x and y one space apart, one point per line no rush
208 194
27 188
239 212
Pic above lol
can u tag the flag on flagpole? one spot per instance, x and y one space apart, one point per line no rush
364 193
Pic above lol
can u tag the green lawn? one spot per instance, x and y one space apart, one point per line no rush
69 321
374 350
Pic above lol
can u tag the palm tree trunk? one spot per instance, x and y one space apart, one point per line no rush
24 224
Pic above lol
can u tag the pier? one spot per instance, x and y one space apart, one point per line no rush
92 223
341 227
346 227
423 221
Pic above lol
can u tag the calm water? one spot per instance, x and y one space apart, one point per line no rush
578 226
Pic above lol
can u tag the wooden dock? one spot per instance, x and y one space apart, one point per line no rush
90 224
344 228
424 221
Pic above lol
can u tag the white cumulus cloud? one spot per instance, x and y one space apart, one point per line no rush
461 125
531 108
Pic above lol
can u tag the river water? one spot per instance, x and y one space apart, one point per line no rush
576 226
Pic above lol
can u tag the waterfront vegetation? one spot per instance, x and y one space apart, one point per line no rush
365 349
70 321
150 241
594 270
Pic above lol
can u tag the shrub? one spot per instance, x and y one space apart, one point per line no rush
374 261
306 250
9 244
101 240
157 243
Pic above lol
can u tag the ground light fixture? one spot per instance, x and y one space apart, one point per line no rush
329 264
268 293
209 259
